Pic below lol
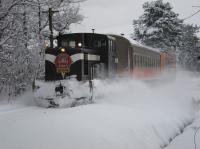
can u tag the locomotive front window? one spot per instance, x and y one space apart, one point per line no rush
72 44
66 43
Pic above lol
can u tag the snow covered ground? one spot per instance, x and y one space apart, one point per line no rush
188 140
126 114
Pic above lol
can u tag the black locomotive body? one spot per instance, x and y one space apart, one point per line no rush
91 55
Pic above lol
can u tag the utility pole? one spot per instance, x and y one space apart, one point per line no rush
25 30
51 12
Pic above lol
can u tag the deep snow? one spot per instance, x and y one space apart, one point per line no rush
126 114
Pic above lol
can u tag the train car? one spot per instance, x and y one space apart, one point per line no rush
137 60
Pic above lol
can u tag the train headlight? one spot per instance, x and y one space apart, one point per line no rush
62 49
79 44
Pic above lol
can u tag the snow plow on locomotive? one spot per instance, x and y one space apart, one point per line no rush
80 57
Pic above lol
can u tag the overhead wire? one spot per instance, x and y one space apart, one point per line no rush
192 15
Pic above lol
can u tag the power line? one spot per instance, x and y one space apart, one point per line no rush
192 15
196 6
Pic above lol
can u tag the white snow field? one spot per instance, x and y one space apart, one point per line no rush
126 114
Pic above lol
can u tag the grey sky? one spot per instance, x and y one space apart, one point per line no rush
116 16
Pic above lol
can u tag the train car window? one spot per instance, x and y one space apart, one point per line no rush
103 43
143 62
140 61
148 62
134 60
156 63
97 44
111 45
151 62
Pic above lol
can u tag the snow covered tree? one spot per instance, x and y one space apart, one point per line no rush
22 28
15 59
67 14
189 51
158 27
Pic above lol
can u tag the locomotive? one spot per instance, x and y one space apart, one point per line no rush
85 56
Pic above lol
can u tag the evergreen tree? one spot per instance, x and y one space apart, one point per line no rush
159 26
189 51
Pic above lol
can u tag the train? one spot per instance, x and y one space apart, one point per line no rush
91 55
87 56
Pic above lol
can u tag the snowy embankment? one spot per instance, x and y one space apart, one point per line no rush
126 114
190 139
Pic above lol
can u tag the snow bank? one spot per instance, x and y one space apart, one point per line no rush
189 138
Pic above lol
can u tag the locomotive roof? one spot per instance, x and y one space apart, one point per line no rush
135 43
114 36
106 35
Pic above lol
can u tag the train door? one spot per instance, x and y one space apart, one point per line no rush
112 65
130 59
